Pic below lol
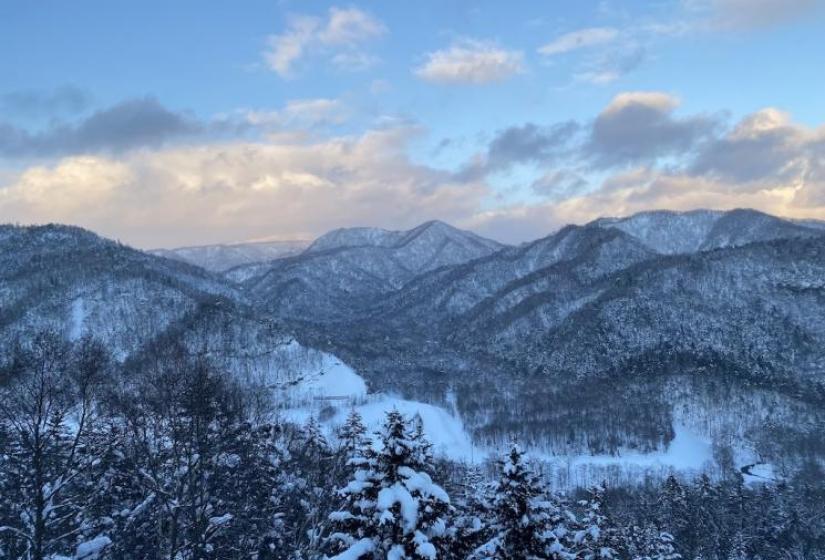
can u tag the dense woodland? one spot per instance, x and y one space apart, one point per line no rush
172 461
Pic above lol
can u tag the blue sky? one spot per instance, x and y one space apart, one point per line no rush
165 123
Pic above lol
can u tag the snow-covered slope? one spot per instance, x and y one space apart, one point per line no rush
421 243
68 279
667 232
672 233
219 258
346 270
327 389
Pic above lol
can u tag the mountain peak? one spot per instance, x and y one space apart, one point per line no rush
671 232
378 237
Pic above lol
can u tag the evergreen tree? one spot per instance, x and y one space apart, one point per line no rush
527 525
596 537
391 509
474 509
352 435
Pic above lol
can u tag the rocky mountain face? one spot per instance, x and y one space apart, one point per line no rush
220 258
598 338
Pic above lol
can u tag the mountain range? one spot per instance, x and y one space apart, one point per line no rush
597 338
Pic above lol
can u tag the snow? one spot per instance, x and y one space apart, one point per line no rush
335 388
356 551
91 550
445 431
408 506
422 483
334 378
687 452
423 547
221 520
758 473
335 384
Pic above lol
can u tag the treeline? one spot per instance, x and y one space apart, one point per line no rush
173 462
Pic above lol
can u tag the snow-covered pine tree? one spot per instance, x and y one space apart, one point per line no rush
649 544
473 502
422 457
392 510
352 435
596 537
527 524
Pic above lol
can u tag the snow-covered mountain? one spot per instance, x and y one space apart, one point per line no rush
69 279
346 269
428 246
687 232
602 338
219 258
616 307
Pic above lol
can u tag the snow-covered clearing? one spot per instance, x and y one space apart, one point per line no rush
329 389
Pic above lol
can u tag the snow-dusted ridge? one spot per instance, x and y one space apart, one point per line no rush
223 257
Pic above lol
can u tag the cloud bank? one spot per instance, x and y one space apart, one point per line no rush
638 153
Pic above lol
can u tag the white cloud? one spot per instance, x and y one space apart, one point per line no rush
338 36
349 26
309 112
580 39
354 61
663 102
297 115
471 62
288 47
294 185
288 188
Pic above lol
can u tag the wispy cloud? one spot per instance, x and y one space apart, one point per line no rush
471 61
583 38
338 36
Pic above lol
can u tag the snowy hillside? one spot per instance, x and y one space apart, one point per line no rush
346 270
70 280
421 240
700 327
329 389
687 232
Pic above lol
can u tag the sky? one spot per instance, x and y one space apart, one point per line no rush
166 124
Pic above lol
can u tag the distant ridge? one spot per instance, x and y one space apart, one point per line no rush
222 257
